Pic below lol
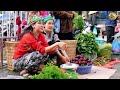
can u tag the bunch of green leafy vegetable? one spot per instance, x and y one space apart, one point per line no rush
51 71
78 22
106 51
86 43
72 73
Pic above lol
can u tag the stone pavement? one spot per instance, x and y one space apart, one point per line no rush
116 75
98 73
7 74
113 74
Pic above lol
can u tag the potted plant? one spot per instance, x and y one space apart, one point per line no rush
87 45
84 63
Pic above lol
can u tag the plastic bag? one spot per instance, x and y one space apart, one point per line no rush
116 46
95 30
116 30
57 25
87 29
84 32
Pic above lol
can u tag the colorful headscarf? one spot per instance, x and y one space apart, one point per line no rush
46 18
34 19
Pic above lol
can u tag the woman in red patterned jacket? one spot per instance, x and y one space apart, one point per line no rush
33 49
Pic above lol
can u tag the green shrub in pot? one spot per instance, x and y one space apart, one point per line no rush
86 44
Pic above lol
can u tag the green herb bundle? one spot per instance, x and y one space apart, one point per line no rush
86 44
51 71
106 51
73 74
78 22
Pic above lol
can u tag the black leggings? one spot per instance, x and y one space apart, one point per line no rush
110 32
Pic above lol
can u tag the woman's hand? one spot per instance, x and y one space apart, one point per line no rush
62 45
65 60
54 49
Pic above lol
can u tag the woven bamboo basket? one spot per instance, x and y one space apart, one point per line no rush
71 48
10 48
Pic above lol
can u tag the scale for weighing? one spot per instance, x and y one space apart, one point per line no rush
69 66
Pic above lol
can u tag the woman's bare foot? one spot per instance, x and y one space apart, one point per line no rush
23 72
41 66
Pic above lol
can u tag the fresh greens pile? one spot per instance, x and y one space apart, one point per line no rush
72 73
104 55
100 61
106 51
86 44
51 71
78 22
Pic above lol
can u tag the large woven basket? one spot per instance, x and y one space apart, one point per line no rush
71 48
10 48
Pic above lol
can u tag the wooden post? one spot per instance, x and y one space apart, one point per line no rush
1 53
